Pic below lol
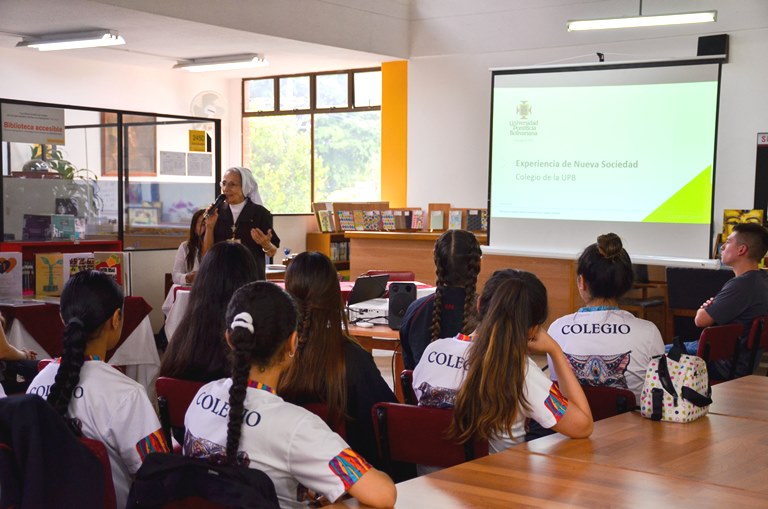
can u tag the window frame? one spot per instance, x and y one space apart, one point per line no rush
311 111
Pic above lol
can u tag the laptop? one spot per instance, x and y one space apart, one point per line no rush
367 288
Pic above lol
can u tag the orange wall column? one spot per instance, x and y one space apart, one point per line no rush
394 133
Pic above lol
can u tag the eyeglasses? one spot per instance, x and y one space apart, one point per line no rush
227 183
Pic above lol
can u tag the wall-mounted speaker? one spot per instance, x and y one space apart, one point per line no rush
400 297
713 45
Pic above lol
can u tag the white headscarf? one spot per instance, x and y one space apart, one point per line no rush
250 187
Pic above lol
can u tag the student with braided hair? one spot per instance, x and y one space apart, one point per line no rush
451 309
241 420
97 400
330 366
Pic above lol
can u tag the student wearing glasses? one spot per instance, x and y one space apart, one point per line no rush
242 218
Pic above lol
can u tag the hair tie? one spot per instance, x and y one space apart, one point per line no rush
75 321
244 320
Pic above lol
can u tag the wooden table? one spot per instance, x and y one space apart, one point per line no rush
515 478
742 397
716 449
380 337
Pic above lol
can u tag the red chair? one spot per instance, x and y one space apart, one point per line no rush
321 410
608 401
414 434
394 275
720 342
43 363
757 340
173 398
100 451
406 383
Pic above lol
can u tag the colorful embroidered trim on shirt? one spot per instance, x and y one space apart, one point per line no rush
463 337
154 442
586 309
258 385
556 402
57 360
349 467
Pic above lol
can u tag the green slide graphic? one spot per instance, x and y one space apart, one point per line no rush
686 205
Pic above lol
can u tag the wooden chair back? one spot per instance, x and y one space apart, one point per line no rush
720 342
606 402
173 398
414 434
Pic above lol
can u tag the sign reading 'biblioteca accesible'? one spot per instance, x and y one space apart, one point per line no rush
33 124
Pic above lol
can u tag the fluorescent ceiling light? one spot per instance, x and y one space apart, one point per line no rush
73 40
222 63
642 21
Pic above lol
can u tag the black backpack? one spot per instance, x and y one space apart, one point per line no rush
166 478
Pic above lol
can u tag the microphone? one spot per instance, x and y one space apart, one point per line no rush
219 200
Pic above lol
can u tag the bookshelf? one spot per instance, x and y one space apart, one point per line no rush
333 245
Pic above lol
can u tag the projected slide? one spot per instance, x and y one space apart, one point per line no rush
617 152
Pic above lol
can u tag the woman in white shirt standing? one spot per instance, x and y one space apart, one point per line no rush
605 345
190 252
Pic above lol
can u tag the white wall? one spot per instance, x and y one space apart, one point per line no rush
449 86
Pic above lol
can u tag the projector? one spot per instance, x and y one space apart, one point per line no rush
373 311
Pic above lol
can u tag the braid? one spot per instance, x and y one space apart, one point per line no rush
470 295
436 309
240 370
68 375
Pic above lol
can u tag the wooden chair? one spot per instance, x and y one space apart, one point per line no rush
414 434
406 383
173 398
720 342
606 402
100 451
757 340
394 275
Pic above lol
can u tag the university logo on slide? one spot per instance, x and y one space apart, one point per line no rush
524 109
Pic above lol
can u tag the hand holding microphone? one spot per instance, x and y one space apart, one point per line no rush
214 206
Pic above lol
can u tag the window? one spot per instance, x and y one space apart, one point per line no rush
320 141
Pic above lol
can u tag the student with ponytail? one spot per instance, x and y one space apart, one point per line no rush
241 420
97 400
489 378
451 309
605 345
330 367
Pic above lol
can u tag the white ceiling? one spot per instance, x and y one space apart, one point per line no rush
159 41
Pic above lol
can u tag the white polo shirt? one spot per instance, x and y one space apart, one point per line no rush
293 446
441 371
112 409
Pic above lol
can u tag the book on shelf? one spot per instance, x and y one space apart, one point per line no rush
359 219
346 220
372 220
117 264
388 220
36 227
399 216
62 227
436 220
417 220
473 220
326 220
74 263
49 277
11 276
484 220
454 219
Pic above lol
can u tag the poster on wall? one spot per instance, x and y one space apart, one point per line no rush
33 124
